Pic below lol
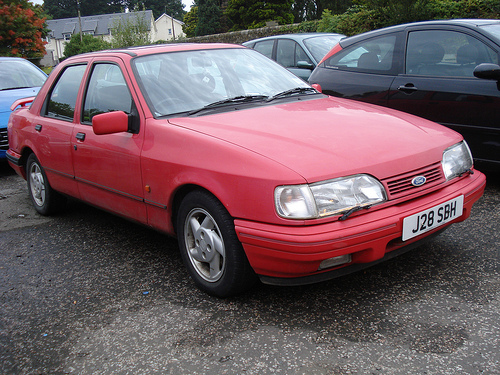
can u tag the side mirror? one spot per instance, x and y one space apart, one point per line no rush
305 65
317 86
110 123
487 71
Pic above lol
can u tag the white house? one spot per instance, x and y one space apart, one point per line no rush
101 26
168 28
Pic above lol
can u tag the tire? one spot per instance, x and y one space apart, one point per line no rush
45 199
210 248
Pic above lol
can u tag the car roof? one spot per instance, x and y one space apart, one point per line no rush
157 48
294 36
469 23
5 58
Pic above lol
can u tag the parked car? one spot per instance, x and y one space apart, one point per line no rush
19 78
445 71
299 53
254 171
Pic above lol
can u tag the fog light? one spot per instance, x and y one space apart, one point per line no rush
335 261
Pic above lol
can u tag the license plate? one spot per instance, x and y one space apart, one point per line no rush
432 218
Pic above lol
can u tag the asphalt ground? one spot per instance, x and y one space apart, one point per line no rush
86 292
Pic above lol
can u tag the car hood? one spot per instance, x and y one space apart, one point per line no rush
330 137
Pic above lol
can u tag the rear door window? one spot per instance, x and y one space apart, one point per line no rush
265 47
374 55
62 100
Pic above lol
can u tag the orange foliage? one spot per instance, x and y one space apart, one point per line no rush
21 29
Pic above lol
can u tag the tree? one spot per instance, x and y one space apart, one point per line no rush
87 44
252 14
209 17
190 22
22 26
131 31
173 8
69 8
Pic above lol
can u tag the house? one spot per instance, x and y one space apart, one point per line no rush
168 28
101 26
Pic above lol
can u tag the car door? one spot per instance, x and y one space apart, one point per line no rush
439 85
363 71
107 167
54 128
289 54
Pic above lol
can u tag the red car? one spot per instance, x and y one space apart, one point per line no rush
257 174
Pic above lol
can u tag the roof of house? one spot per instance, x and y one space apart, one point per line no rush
164 15
99 24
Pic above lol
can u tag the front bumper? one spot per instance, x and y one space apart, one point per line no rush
291 255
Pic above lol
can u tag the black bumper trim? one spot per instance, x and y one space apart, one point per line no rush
13 159
346 270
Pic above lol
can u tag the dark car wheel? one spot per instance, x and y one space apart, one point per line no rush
45 200
210 248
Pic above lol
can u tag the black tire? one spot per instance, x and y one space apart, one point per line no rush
210 248
45 199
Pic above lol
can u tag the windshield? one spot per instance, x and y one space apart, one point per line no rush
187 81
319 46
16 74
493 29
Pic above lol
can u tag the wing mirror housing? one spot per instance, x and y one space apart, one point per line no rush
317 86
305 65
110 123
487 71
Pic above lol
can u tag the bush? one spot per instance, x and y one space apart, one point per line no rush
375 14
88 44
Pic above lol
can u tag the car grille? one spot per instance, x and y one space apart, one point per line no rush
401 185
4 143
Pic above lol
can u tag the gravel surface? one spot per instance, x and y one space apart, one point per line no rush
86 292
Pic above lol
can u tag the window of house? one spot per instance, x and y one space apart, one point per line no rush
67 36
62 100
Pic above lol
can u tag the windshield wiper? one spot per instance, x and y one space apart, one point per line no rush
296 90
233 100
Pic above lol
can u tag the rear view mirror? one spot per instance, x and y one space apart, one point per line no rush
487 71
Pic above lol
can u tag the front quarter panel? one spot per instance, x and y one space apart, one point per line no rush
174 157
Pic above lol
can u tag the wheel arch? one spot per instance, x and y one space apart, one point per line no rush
180 194
25 154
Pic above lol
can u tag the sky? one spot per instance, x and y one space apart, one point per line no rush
187 3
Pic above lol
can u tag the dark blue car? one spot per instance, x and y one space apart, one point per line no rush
445 71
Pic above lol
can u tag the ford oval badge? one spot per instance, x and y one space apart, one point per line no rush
418 181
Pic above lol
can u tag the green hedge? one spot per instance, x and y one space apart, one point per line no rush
368 16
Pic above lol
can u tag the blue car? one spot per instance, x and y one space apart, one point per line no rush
18 79
299 53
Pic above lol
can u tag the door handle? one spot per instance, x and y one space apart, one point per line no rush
408 88
80 136
38 128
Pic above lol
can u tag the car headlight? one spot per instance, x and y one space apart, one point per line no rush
328 197
457 160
